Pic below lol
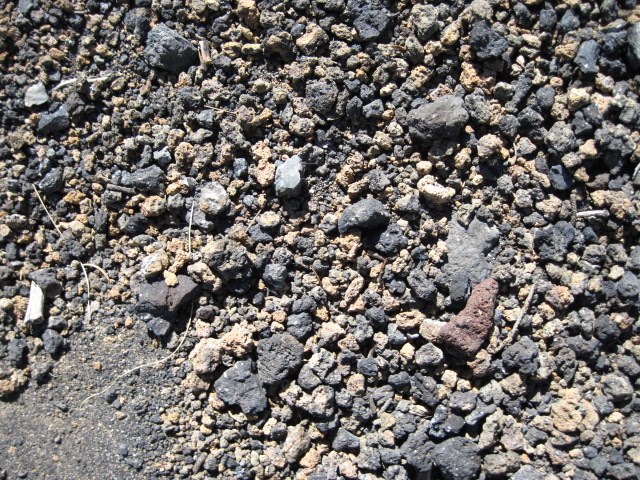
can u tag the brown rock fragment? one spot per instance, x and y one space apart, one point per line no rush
467 331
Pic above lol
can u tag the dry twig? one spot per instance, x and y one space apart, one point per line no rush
507 341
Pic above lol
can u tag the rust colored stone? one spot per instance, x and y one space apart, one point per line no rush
467 331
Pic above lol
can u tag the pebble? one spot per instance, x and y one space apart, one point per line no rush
441 119
288 179
366 214
467 331
214 199
486 42
168 50
36 95
239 386
54 122
279 357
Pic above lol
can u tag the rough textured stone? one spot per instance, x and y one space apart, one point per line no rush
458 459
366 214
467 249
617 386
486 42
36 95
239 386
206 356
441 119
279 357
288 180
467 331
214 199
54 122
167 50
158 303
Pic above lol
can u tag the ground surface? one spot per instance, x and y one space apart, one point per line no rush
340 239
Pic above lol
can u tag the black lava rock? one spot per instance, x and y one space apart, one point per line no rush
300 325
442 119
147 179
53 181
345 441
371 19
54 122
553 242
17 352
458 459
606 330
366 214
560 177
240 386
321 96
46 279
167 50
279 357
392 240
587 57
522 357
275 275
486 42
158 303
53 342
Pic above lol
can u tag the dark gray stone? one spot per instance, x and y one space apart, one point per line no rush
552 243
560 178
606 330
167 50
321 96
560 139
617 387
275 275
633 42
17 352
428 356
458 459
392 240
371 19
46 279
467 249
422 286
53 342
300 325
485 42
53 181
629 286
366 214
54 122
441 119
158 303
522 357
368 367
147 179
279 358
587 57
239 386
345 441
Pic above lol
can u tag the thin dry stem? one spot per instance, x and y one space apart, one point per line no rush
86 279
190 224
100 269
527 303
46 210
150 364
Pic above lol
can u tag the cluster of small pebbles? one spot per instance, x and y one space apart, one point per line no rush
386 240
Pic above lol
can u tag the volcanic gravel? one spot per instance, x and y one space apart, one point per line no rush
332 239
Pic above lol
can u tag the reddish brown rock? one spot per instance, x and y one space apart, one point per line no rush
467 331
